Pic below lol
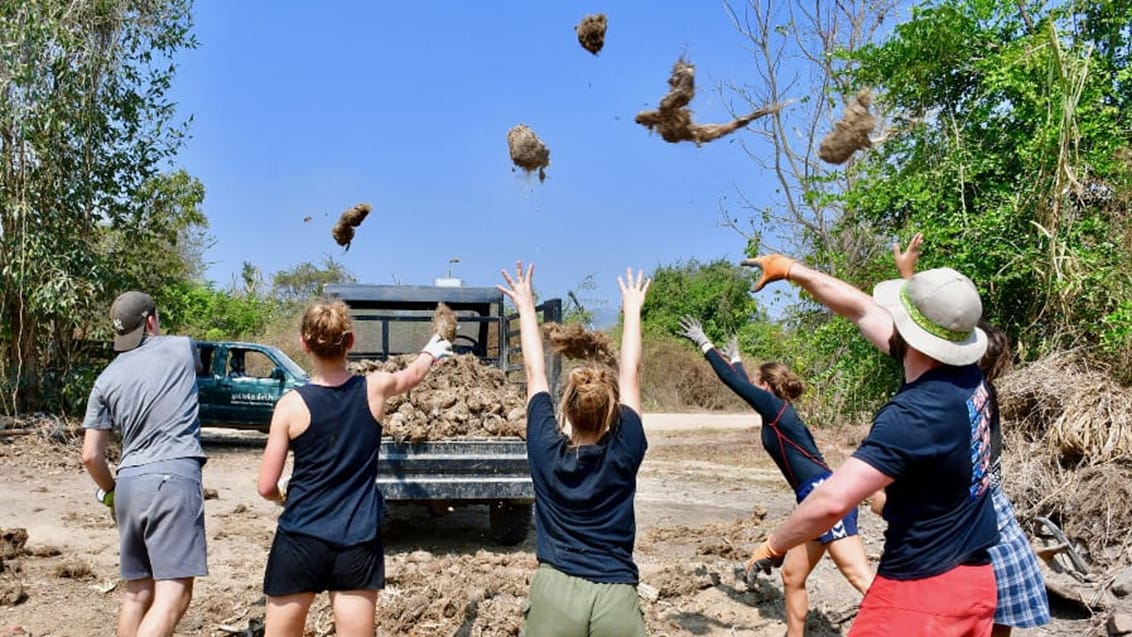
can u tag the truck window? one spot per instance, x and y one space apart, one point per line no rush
248 363
205 353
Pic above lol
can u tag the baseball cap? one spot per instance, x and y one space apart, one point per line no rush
128 313
937 312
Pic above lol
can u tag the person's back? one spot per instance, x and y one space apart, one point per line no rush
585 524
332 493
584 474
150 394
938 511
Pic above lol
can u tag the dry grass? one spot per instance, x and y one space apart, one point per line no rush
1068 451
676 377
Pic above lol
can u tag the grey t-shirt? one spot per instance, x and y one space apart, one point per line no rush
150 393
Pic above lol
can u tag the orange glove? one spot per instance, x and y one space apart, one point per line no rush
775 267
764 559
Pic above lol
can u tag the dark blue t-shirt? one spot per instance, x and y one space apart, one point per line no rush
784 436
933 440
584 521
333 492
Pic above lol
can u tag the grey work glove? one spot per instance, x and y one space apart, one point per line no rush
691 329
731 349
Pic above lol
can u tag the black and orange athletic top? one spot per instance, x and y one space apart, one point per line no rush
784 435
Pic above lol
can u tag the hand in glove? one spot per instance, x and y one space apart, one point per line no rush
107 498
691 329
731 349
437 348
764 559
775 267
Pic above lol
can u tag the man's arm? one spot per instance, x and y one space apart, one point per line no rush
831 501
94 458
874 322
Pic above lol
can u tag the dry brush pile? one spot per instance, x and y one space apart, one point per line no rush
1067 429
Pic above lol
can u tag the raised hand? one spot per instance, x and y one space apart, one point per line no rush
731 349
633 291
519 289
437 348
775 267
906 260
692 330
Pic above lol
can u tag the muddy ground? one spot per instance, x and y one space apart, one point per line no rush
702 490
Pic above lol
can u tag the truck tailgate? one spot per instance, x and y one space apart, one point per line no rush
465 469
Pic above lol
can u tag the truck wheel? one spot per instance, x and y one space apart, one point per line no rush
510 522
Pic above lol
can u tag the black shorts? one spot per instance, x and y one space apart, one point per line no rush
304 564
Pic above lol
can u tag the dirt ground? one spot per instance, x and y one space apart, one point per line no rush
706 494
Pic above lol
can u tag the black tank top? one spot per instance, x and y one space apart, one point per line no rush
333 492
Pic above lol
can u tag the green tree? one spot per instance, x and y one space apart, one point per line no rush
85 126
1016 169
716 293
304 281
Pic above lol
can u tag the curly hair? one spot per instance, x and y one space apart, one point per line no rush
590 400
783 383
327 329
997 359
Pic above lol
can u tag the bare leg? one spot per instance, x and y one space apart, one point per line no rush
848 554
287 615
354 612
1000 630
800 562
136 600
171 599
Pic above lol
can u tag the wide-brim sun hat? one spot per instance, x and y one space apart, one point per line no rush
937 313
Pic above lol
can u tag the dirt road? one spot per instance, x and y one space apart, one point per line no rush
706 494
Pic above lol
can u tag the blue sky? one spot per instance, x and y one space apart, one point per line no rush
306 108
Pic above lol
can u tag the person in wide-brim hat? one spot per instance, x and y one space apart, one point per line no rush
928 448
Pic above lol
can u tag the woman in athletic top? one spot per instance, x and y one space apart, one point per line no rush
785 437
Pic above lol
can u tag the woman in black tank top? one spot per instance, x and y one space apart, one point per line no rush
328 536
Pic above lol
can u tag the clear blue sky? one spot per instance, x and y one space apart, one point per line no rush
306 108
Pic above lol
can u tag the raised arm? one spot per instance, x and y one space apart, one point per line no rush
521 293
633 293
873 321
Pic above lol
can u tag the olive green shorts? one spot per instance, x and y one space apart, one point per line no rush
561 605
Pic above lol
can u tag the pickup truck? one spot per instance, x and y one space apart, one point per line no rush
241 382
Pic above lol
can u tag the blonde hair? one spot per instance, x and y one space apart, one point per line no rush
590 400
327 329
782 382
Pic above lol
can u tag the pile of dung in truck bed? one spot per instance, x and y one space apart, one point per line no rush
460 398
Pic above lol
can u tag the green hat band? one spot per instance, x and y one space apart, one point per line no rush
927 324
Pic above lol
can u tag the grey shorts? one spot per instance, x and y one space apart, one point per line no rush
160 509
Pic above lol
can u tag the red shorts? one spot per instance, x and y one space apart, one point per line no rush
958 603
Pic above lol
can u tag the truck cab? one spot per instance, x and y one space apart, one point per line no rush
395 319
239 383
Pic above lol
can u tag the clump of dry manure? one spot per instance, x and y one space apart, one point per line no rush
527 150
575 342
462 397
74 569
343 231
444 322
12 543
673 120
851 132
591 32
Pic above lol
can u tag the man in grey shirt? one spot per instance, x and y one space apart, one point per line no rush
149 393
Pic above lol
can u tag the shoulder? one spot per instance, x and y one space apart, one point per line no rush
378 382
